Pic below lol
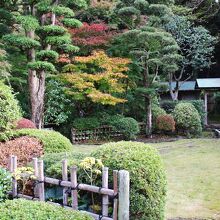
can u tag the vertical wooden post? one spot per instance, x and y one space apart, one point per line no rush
13 168
35 165
123 208
206 107
41 180
74 193
65 178
115 187
105 199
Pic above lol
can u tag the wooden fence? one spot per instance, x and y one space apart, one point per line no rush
119 193
101 133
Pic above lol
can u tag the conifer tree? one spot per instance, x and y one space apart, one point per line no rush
156 53
41 34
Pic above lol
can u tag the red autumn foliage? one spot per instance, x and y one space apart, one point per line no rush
93 35
25 148
64 59
165 123
25 123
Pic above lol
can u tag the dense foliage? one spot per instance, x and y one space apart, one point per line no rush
5 183
23 209
148 181
187 119
9 108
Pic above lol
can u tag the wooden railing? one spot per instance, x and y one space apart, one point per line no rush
119 193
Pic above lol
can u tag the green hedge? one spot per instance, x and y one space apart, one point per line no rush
53 141
9 108
147 176
19 209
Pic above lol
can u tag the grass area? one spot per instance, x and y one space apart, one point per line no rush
193 172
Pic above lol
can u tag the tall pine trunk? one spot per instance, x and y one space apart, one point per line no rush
37 93
148 104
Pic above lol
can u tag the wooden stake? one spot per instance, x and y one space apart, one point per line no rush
14 181
105 199
65 178
115 187
74 193
41 180
35 164
124 182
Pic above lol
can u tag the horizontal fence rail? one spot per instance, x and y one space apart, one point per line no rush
119 193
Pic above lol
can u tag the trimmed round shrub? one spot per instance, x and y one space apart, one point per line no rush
9 108
25 123
187 119
147 176
165 123
127 126
18 209
53 142
5 183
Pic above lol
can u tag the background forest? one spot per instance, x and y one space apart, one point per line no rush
85 64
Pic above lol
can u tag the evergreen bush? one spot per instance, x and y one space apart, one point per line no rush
9 108
187 119
147 176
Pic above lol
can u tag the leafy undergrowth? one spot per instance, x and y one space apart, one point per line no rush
25 148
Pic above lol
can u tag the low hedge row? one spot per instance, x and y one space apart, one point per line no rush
20 209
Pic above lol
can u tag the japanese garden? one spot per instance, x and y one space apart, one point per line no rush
109 109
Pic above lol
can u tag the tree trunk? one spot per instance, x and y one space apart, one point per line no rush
37 92
149 116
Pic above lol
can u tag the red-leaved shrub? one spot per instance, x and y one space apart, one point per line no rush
25 148
25 123
165 123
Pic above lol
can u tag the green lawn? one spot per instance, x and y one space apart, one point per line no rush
193 172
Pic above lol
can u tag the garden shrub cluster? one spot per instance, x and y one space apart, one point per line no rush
9 108
53 142
25 123
169 106
147 176
165 123
18 209
5 183
187 119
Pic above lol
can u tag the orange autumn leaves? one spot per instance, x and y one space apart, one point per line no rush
97 78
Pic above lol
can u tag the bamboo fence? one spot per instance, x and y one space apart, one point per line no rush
119 193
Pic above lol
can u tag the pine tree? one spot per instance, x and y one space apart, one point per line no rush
42 35
156 53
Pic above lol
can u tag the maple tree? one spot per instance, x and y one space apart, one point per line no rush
96 78
91 36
